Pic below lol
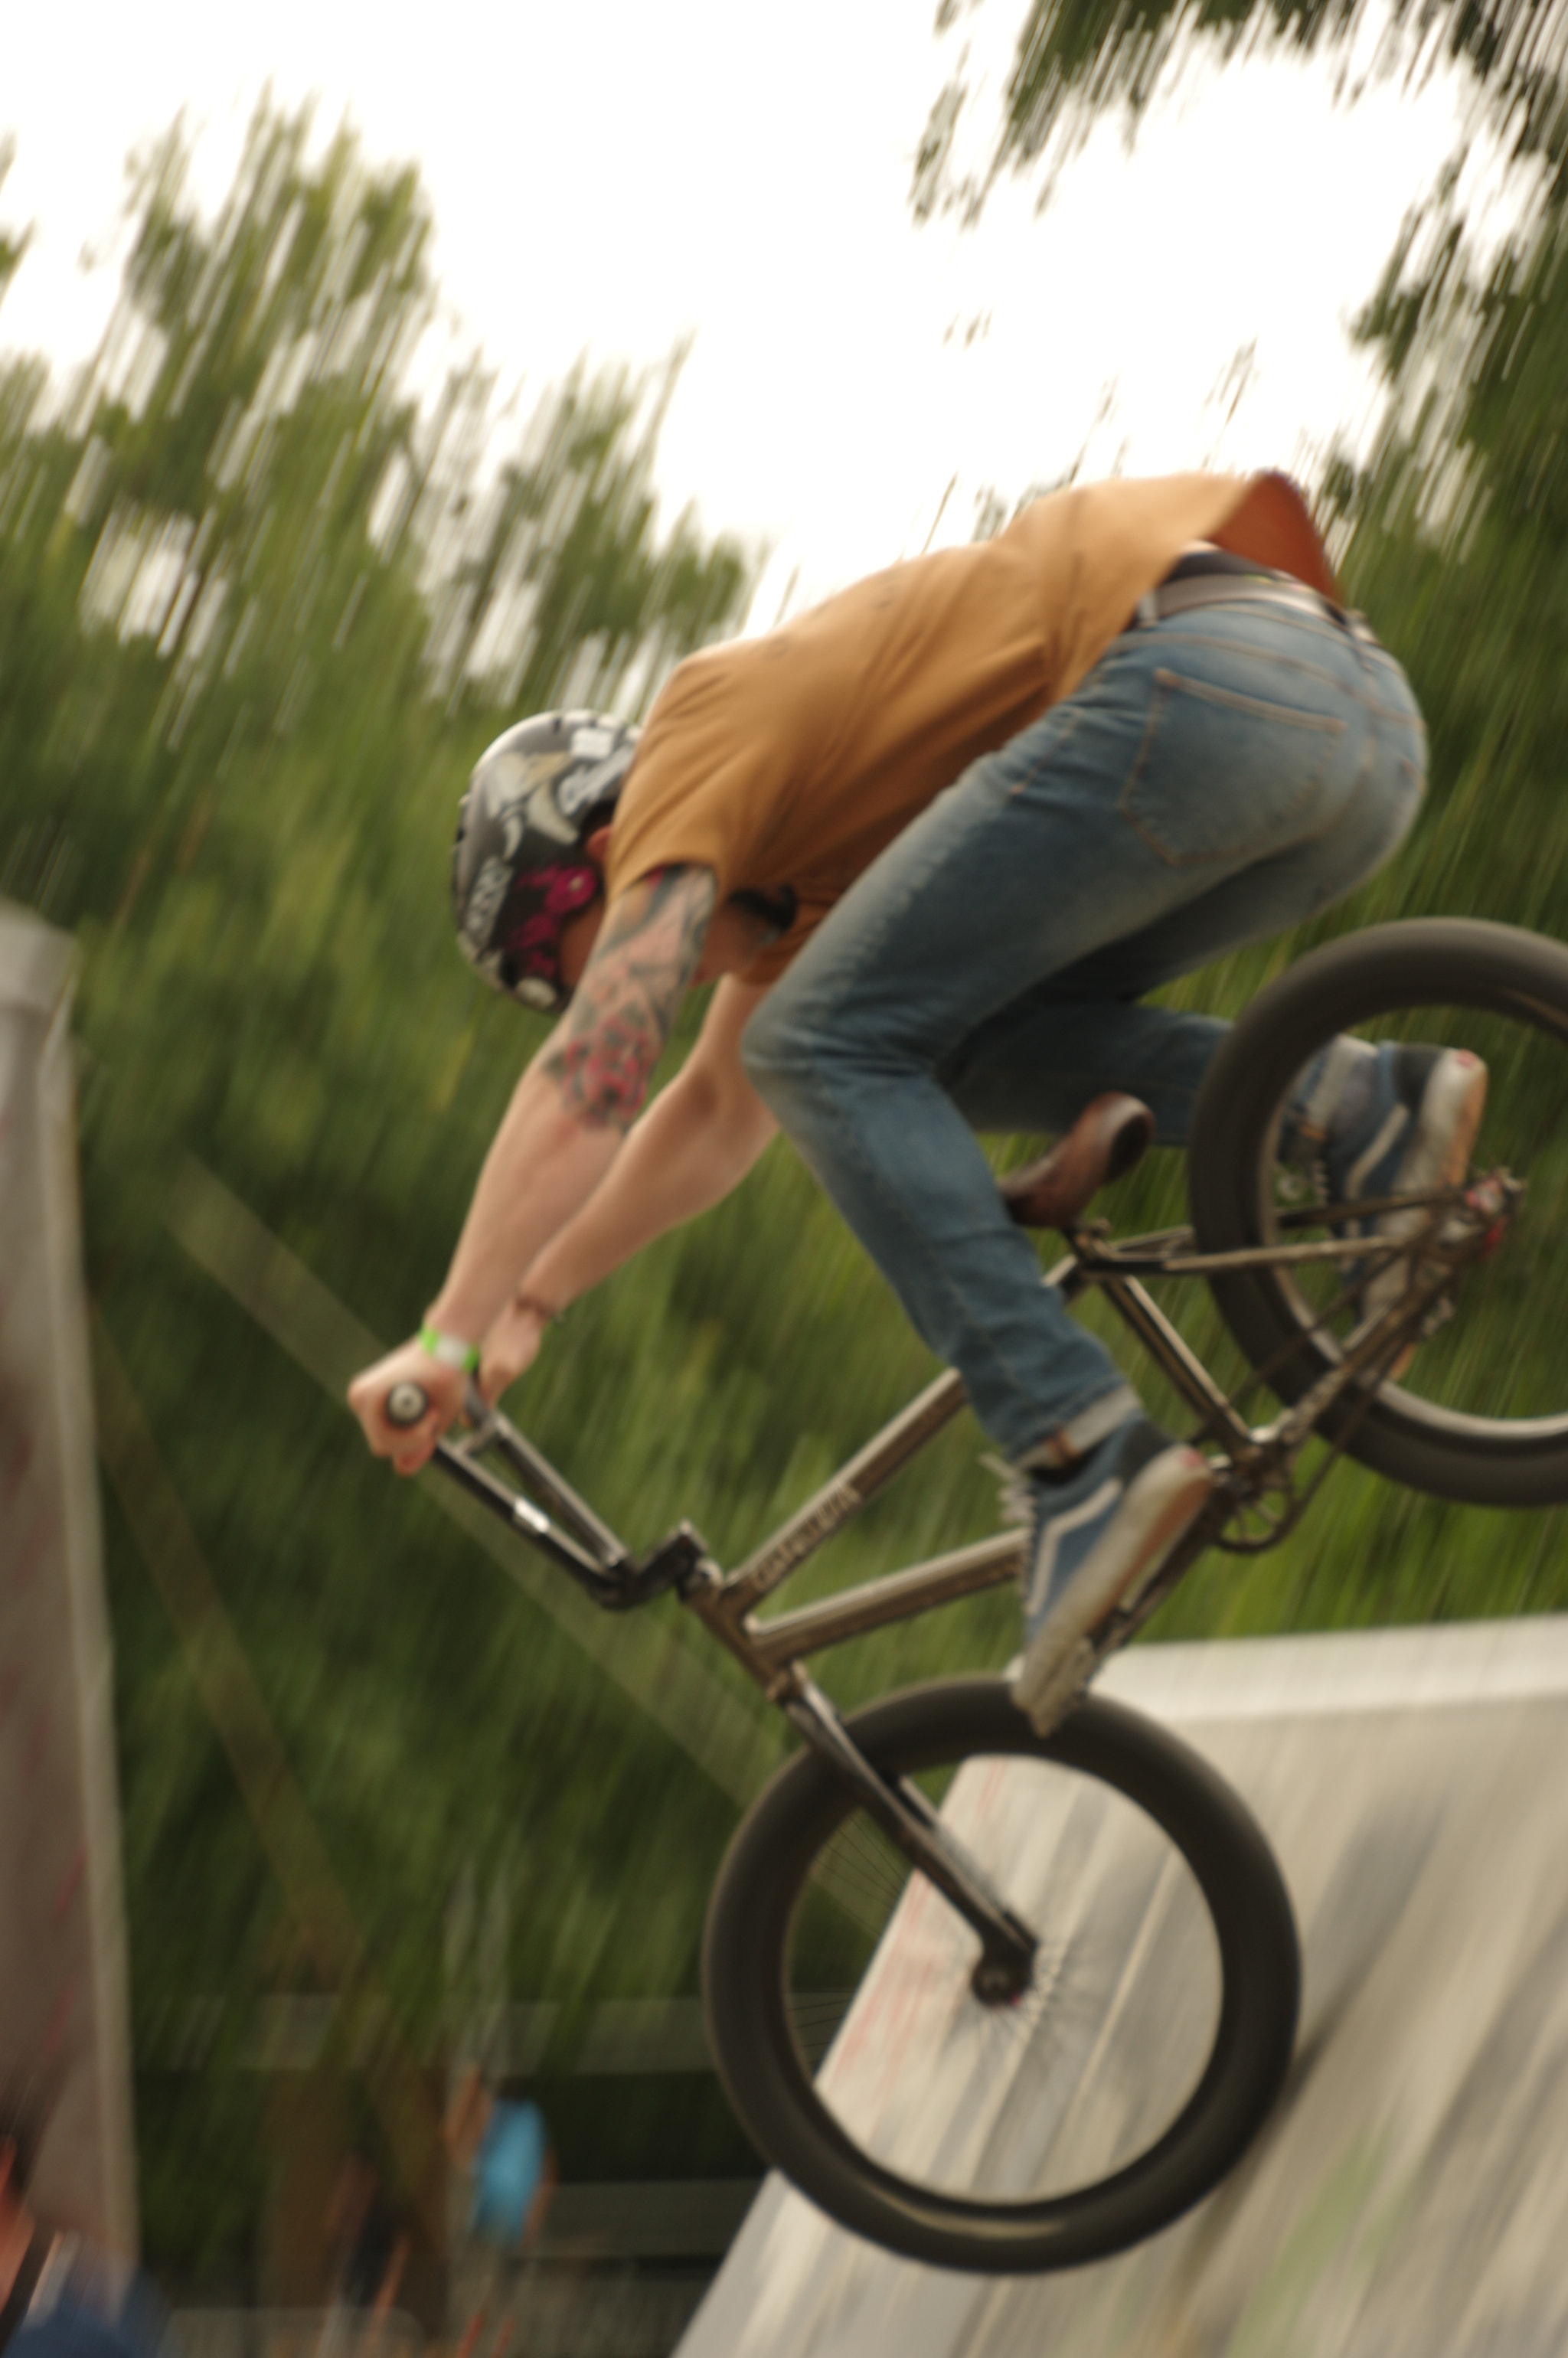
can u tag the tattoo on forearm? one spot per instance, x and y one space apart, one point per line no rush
603 1053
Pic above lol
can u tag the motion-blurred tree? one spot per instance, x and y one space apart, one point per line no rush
12 249
1453 532
258 611
1074 60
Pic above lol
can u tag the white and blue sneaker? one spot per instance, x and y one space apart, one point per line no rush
1101 1530
1395 1121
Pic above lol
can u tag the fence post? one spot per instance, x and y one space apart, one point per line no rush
64 2011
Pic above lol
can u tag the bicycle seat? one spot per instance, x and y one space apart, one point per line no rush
1109 1136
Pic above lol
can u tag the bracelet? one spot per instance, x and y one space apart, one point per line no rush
450 1349
543 1310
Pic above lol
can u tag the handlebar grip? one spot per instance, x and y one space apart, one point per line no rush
406 1404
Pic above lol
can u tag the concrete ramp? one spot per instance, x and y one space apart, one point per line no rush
1410 2197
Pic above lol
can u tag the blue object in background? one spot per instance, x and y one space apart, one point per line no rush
72 2333
506 2171
87 2306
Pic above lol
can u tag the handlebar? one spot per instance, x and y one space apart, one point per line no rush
406 1404
587 1549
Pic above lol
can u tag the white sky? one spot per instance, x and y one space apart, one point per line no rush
607 177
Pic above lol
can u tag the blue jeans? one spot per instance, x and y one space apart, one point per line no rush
1217 776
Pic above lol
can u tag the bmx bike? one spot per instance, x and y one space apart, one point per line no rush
1005 2000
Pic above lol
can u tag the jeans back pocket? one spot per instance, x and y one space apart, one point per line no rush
1219 775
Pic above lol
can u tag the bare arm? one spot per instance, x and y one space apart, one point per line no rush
565 1124
580 1096
696 1142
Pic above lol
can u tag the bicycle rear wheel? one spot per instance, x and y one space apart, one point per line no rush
1072 2123
1481 1413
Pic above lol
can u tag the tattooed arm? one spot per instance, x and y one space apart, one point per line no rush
698 1139
563 1130
583 1091
601 1057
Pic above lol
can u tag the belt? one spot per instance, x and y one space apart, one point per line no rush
1227 588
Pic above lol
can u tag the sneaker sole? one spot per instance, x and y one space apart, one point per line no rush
1440 1162
1163 1501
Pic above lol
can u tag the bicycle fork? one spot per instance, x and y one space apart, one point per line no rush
1007 1947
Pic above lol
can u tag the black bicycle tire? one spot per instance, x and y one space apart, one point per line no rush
767 1865
1438 962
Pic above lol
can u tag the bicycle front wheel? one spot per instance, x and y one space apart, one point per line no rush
1481 1412
1072 2121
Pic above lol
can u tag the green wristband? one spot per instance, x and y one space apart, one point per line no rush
450 1350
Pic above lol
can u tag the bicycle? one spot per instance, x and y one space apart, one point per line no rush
930 1869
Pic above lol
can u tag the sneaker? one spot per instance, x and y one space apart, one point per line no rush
1403 1121
1100 1532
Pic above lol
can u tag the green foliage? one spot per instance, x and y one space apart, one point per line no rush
1075 60
12 249
257 614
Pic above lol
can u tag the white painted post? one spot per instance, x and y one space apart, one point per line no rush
64 2013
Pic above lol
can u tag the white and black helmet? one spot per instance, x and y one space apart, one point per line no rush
520 864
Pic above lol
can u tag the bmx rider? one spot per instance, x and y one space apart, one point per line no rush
935 840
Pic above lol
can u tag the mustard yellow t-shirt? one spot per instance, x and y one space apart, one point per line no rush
796 758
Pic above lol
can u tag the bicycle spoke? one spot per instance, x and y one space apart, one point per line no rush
1473 1405
1104 1890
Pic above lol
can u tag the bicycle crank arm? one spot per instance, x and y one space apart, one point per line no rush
1007 1948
